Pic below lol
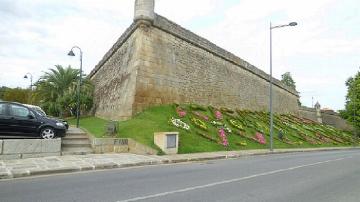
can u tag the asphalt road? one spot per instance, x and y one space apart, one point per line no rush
312 176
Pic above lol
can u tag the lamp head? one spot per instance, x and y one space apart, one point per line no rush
292 23
71 53
25 77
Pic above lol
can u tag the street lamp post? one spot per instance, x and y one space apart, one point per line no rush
271 81
31 85
71 53
31 79
354 115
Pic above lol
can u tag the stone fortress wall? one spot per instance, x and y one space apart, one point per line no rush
334 119
327 117
180 67
308 113
158 62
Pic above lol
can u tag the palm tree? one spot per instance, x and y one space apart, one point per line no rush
56 91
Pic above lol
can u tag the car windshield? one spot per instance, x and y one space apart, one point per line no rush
39 112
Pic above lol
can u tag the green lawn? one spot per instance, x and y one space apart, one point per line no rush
298 132
94 125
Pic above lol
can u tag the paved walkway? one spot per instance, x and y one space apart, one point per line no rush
75 163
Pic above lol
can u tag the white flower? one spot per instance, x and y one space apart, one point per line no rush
180 124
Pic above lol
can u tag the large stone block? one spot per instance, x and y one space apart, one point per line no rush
22 146
137 148
10 156
24 156
51 146
31 146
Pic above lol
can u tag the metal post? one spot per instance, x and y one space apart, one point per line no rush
271 82
271 93
78 93
31 83
71 53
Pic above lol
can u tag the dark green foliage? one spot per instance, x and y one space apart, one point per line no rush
57 91
287 79
2 92
16 95
352 106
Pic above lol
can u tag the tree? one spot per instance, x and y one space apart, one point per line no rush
352 105
287 79
57 91
17 95
2 91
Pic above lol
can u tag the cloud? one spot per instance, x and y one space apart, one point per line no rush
318 53
186 10
321 52
36 37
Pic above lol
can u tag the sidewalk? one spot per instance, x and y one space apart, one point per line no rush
75 163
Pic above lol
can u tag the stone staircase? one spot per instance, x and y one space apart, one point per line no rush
76 142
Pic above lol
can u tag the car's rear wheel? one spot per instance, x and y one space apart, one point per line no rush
47 133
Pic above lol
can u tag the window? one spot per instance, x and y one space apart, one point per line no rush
2 109
171 140
20 111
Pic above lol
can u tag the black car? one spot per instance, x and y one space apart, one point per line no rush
41 112
19 120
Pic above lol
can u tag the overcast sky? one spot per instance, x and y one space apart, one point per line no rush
321 52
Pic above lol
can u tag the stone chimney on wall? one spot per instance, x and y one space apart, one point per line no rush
144 10
318 112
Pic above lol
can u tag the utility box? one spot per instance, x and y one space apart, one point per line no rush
167 141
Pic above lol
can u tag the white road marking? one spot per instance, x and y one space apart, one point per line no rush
228 181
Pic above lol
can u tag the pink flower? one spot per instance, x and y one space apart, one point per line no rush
218 115
260 138
180 112
223 137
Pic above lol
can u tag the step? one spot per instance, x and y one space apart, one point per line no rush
75 145
75 131
75 137
72 134
75 142
76 151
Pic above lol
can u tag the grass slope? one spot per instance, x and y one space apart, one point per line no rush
296 132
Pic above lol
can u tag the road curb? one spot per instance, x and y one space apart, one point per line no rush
171 159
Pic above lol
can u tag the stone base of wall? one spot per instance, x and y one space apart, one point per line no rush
29 148
137 148
119 145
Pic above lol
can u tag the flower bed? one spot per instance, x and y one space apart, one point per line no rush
179 124
295 130
236 124
218 115
199 123
260 138
200 115
197 107
181 112
216 123
242 143
224 140
206 136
